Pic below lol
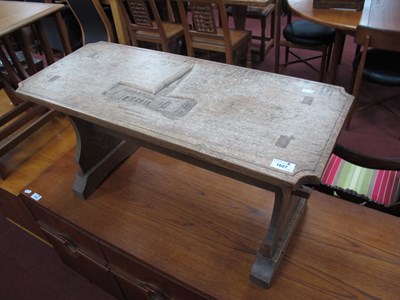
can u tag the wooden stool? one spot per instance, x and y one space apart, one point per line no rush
261 13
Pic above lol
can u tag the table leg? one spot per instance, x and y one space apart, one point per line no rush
288 208
239 16
99 152
336 55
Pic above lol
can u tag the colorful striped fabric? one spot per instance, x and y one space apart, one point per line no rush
380 186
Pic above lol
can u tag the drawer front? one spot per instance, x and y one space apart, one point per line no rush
66 230
72 256
132 289
142 282
15 209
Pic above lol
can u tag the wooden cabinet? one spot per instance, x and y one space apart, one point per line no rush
158 228
73 236
14 209
129 238
141 281
120 274
76 248
81 261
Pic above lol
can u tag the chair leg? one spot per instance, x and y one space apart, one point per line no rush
323 63
271 40
286 55
277 35
328 57
248 53
190 50
229 57
357 82
272 31
165 46
262 38
277 55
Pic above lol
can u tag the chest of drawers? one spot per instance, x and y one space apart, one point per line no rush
157 228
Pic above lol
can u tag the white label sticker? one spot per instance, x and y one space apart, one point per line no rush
308 91
283 165
36 197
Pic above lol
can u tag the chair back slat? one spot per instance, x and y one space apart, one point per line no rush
142 19
140 13
145 24
202 32
204 23
203 18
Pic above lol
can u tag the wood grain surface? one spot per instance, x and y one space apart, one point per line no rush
343 19
234 117
15 15
381 15
204 229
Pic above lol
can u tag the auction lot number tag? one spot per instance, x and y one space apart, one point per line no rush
283 165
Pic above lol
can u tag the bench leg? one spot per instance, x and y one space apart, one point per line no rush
99 152
288 209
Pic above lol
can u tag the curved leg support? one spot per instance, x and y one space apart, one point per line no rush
288 209
99 152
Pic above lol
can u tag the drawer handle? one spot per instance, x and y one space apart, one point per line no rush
71 247
153 291
68 243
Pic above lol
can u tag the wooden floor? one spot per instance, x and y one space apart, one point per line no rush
340 250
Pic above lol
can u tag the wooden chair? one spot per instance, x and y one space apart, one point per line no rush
378 62
94 23
146 25
302 34
67 19
204 34
261 14
24 118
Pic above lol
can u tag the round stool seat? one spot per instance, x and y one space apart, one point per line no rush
381 66
304 32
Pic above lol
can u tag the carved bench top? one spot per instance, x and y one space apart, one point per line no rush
272 127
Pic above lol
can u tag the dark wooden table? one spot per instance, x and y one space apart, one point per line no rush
381 14
345 22
15 15
378 14
202 230
267 130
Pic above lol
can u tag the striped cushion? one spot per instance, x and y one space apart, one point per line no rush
380 186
